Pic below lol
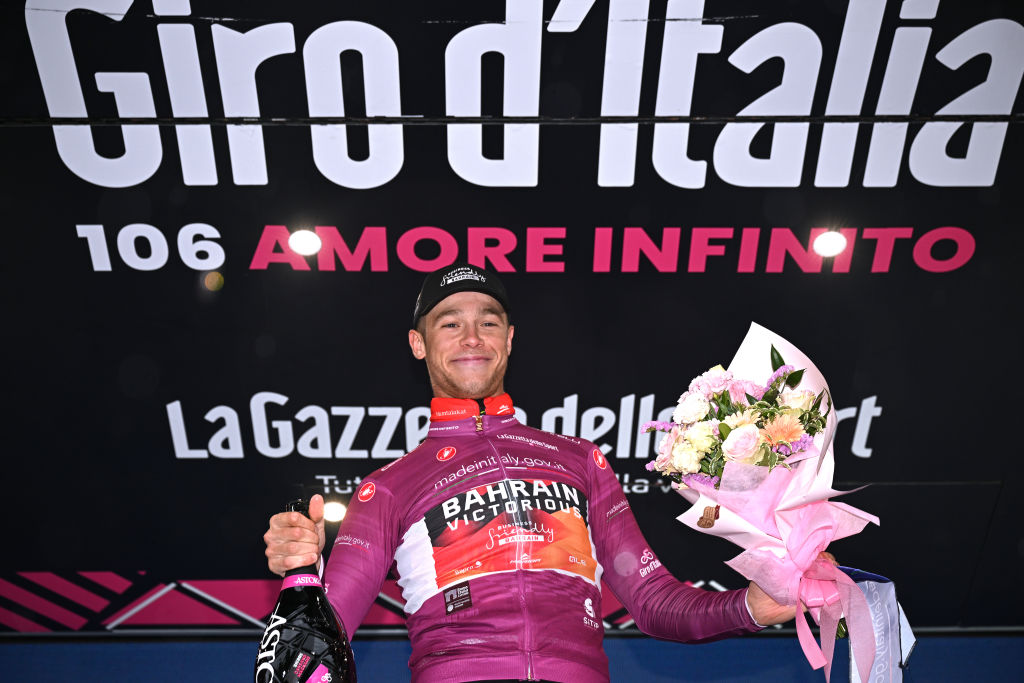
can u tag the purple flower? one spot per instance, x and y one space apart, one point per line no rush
700 479
784 370
656 426
798 446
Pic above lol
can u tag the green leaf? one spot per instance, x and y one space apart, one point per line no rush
817 401
770 396
841 630
794 379
723 430
750 399
777 361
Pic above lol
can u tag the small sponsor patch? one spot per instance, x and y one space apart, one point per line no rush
366 492
599 459
707 520
457 597
446 453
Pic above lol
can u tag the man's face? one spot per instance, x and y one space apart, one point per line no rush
466 341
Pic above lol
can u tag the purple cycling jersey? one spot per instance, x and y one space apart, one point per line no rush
500 535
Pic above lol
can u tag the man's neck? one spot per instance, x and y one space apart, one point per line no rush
443 408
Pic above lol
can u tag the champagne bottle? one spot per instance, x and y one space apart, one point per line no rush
304 641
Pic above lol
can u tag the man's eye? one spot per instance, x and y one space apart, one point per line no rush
450 325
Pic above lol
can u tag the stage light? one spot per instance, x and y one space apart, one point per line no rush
829 243
305 242
213 281
334 511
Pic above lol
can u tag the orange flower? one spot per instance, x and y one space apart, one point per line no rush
785 429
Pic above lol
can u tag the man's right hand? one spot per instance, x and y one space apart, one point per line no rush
294 540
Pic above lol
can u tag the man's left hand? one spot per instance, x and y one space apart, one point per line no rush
768 612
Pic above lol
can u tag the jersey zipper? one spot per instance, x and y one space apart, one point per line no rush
527 633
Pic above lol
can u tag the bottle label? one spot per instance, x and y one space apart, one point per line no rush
301 580
320 675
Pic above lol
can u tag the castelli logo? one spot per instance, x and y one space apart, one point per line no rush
599 459
446 453
366 491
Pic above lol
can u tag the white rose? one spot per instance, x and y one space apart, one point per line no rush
702 436
797 399
692 407
685 458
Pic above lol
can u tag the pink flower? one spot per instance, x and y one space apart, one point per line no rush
738 389
742 444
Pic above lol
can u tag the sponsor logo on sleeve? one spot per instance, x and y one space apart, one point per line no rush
446 453
366 492
589 620
599 458
648 562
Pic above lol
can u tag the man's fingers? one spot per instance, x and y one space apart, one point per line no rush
316 508
283 520
281 564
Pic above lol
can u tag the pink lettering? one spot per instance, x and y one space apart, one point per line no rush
479 251
748 250
636 241
537 248
964 249
603 250
406 248
701 247
783 242
273 248
886 239
373 243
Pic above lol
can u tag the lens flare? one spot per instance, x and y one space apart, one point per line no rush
829 243
213 281
305 242
334 511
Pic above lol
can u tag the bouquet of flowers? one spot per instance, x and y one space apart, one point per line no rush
750 447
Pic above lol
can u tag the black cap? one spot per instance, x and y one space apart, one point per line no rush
458 277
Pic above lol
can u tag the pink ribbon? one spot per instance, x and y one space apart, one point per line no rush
829 594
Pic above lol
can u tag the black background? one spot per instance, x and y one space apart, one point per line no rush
94 358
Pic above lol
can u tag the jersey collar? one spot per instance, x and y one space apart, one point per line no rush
446 409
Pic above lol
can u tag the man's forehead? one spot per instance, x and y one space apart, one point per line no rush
462 302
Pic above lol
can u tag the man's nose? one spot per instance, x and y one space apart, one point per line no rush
471 337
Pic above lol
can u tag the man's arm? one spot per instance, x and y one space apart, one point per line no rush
661 605
359 561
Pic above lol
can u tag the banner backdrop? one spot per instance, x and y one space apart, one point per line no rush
647 177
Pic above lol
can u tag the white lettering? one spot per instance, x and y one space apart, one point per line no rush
518 41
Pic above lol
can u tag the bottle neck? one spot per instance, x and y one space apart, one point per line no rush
308 569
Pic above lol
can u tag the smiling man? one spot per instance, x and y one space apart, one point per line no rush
500 534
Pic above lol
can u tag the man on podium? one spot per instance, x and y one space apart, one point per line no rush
500 534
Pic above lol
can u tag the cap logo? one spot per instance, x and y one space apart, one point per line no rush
446 453
366 492
460 274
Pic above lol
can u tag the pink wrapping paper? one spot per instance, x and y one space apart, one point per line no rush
784 518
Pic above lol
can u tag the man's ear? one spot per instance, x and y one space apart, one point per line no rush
508 342
418 345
